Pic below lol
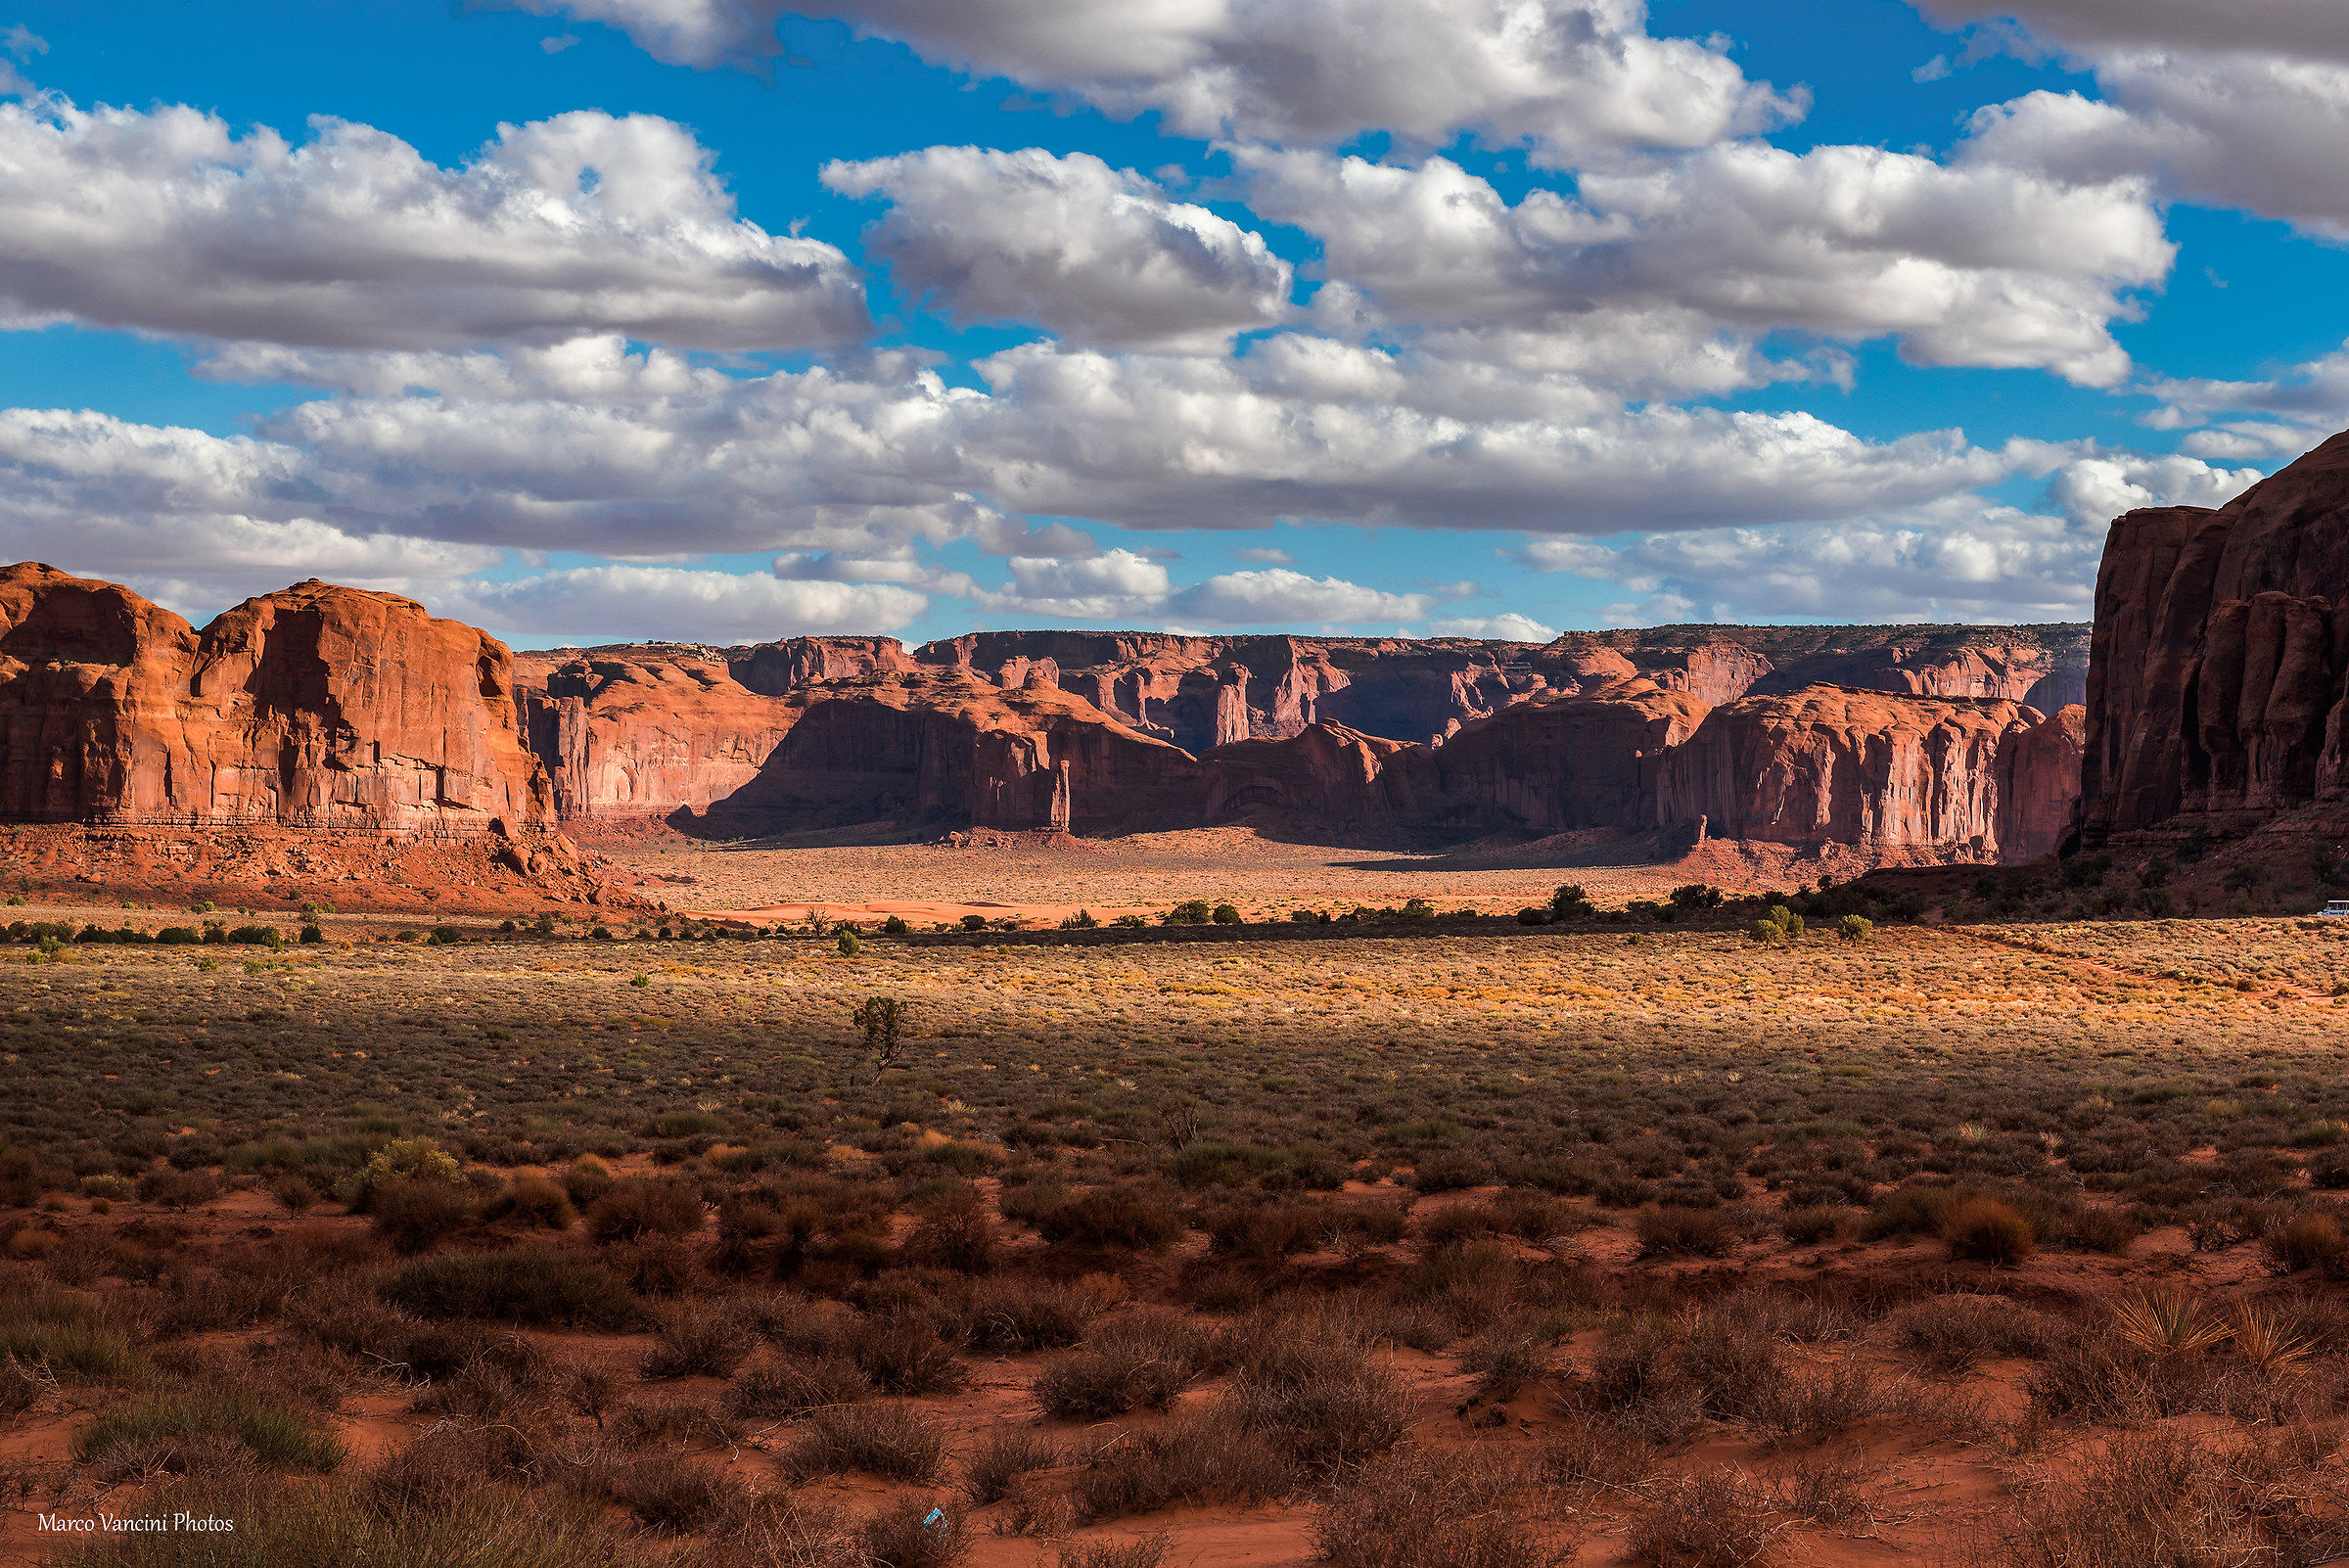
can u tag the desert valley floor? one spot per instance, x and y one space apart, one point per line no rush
1600 1242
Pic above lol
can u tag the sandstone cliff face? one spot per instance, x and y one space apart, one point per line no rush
317 707
1568 762
2039 783
945 746
1828 764
2216 677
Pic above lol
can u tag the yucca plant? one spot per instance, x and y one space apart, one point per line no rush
2164 1323
2263 1341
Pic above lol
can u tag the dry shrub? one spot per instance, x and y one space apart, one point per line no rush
993 1465
534 1202
1259 1234
2311 1238
2164 1498
906 1352
672 1424
1718 1519
1505 1360
1142 1552
1738 1374
1584 1453
1119 1216
1824 1492
1314 1392
1669 1232
526 1285
1471 1284
700 1341
450 1459
1951 1333
953 1230
412 1214
642 1207
913 1533
1192 1458
1821 1405
1141 1361
1986 1231
2095 1376
884 1438
1011 1315
1418 1509
673 1494
1813 1224
1637 1382
787 1388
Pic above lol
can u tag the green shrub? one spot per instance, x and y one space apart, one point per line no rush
1226 914
258 937
526 1285
1854 928
1226 1165
1571 902
417 1159
279 1437
75 1338
1189 912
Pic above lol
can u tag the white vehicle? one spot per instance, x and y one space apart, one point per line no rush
2337 909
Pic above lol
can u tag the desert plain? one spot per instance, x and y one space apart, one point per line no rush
1989 1233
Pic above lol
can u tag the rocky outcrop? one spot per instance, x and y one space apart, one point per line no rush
947 749
1568 762
317 707
2216 682
2039 784
326 707
1828 764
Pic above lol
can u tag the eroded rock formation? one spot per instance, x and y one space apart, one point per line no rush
1828 764
2217 675
317 707
325 707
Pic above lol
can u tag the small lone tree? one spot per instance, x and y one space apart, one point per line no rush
882 1020
1571 902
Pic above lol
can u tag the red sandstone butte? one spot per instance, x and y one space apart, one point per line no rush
316 707
2217 670
1827 764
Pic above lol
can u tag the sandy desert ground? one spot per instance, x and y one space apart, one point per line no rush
1599 1242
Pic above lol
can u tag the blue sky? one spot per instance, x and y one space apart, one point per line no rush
593 320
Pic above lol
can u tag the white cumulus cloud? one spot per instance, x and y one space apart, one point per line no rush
2318 29
167 222
1094 254
1974 265
1277 594
1566 78
1507 627
617 603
